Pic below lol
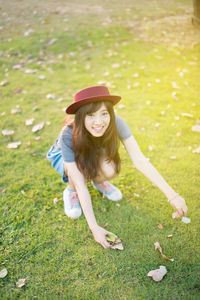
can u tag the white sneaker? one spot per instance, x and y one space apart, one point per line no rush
72 206
108 190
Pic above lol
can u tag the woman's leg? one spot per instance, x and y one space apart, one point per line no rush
71 185
107 170
72 206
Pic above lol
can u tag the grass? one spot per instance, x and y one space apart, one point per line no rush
58 256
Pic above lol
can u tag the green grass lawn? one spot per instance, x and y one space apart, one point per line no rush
148 54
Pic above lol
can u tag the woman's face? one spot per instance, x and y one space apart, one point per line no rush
97 122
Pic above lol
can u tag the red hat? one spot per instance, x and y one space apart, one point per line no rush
91 94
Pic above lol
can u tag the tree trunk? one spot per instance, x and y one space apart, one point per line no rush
196 16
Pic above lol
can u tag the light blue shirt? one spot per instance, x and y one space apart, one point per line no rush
65 138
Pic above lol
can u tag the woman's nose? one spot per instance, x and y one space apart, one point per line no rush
98 120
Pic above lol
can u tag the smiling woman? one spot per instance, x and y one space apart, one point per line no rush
95 130
97 122
87 149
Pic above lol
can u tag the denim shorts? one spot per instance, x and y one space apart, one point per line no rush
57 162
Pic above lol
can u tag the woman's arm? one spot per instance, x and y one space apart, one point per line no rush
85 200
144 166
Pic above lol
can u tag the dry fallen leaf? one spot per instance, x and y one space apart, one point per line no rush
15 111
196 150
160 226
170 236
8 132
17 67
157 246
28 32
175 86
3 273
21 282
186 115
115 66
55 200
30 122
50 96
174 96
4 83
42 77
186 220
38 127
2 191
172 157
196 128
114 241
29 71
158 274
14 145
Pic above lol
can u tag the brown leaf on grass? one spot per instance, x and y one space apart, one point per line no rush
38 127
50 96
17 90
186 115
158 274
7 132
21 282
114 241
2 191
4 83
157 246
17 67
13 145
160 226
196 128
29 122
196 150
30 71
186 220
55 200
175 86
170 236
174 97
15 111
3 273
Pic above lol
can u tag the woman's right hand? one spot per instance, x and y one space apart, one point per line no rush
99 234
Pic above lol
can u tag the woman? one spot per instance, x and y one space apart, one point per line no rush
87 149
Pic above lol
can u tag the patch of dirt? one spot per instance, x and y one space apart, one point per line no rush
174 30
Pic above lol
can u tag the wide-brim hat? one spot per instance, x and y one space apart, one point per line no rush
91 94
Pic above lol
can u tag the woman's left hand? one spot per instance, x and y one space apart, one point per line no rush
178 203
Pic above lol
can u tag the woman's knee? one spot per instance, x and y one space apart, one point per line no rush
108 169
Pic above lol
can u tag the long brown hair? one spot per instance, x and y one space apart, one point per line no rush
88 148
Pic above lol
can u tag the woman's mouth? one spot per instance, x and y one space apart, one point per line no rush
98 129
